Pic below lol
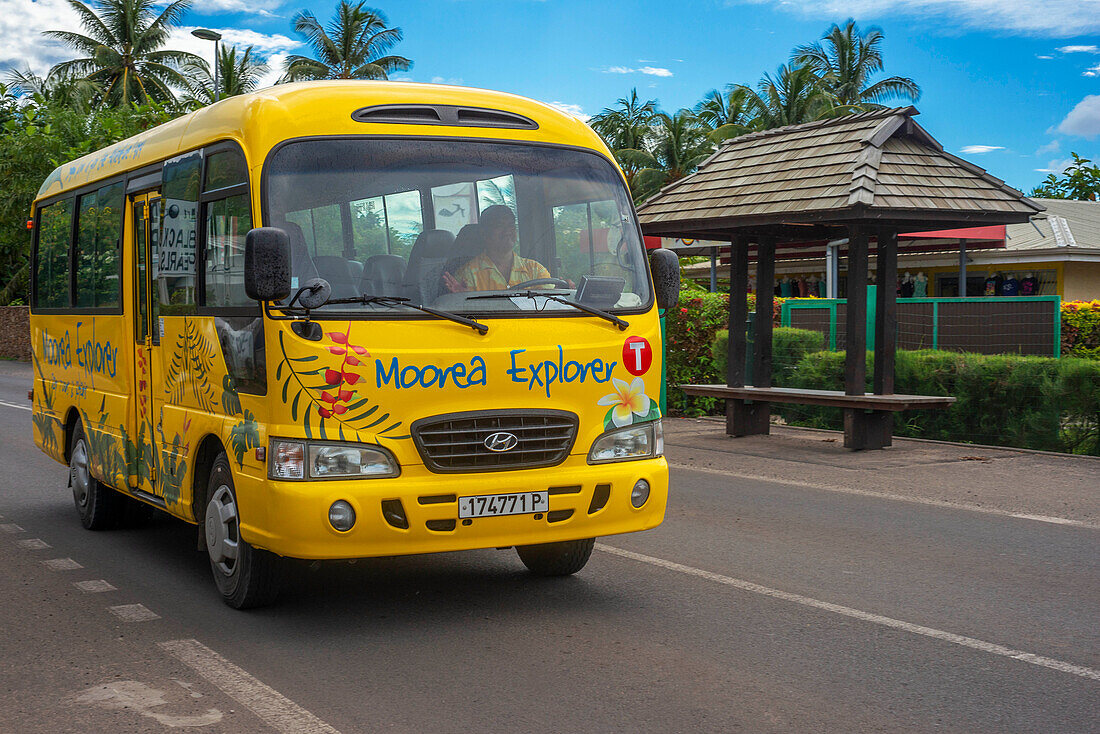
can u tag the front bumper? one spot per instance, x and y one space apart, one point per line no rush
291 518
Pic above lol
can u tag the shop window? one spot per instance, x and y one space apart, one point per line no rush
98 248
51 268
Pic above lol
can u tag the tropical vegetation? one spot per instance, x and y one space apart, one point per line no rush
830 77
353 46
1080 180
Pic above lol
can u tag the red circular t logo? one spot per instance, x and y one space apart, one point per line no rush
637 355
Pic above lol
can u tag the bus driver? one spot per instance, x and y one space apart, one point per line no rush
486 272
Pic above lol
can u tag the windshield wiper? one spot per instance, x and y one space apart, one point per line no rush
557 299
400 301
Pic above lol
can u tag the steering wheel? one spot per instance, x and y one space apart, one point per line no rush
539 281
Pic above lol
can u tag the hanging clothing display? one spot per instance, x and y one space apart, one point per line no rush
1029 286
993 285
920 287
1011 286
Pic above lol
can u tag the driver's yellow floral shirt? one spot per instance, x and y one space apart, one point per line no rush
482 274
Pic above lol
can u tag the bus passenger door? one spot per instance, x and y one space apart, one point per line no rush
144 463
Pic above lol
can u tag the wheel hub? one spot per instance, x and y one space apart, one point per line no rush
222 530
79 477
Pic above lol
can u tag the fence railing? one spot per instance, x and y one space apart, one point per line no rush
1029 325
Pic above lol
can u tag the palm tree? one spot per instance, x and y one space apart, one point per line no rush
793 96
624 129
678 143
727 114
350 48
55 89
626 125
122 51
238 73
845 59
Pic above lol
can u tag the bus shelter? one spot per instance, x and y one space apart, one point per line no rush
863 177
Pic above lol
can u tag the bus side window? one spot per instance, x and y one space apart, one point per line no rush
98 247
227 222
51 267
175 261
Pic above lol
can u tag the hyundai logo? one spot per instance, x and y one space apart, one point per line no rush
501 441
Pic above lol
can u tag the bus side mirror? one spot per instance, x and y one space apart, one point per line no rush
267 264
665 266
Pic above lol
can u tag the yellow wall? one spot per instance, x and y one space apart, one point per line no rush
1082 281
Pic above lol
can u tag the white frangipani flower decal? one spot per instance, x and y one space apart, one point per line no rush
629 400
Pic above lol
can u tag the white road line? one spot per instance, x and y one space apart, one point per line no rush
62 564
277 711
93 587
989 647
11 528
33 544
889 496
133 613
13 405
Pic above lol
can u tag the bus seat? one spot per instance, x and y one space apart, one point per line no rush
383 275
301 264
335 270
356 269
426 259
468 244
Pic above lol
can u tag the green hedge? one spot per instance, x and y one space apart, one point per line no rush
1027 402
789 346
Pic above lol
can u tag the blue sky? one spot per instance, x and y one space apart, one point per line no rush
1019 78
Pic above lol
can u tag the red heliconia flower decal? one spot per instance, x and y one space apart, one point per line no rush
336 401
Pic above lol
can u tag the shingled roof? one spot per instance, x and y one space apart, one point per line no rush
876 166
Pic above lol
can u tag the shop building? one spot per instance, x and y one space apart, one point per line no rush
1057 253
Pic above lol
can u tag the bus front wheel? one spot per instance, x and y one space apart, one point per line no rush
247 577
556 559
98 505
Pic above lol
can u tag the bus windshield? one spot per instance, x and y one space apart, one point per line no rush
446 222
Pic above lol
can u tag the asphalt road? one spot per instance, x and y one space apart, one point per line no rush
757 606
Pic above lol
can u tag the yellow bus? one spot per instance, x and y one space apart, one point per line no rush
340 320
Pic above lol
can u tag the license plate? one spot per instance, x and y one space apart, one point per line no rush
494 505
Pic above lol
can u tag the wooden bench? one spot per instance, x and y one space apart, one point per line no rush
868 419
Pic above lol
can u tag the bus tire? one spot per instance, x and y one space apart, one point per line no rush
98 506
556 559
246 577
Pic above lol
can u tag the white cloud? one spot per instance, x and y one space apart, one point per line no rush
1056 166
21 26
1056 18
453 81
1079 49
1084 119
1052 147
979 149
573 109
1091 71
1044 58
272 48
649 70
250 7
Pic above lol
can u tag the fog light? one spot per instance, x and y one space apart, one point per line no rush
342 516
640 493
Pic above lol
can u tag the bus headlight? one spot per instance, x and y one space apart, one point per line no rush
628 444
329 460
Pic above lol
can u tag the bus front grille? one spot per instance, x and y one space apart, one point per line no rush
465 442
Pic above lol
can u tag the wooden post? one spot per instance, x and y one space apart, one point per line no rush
741 417
886 313
855 358
765 303
738 311
859 425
